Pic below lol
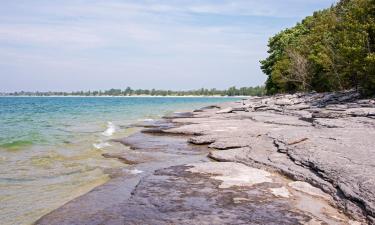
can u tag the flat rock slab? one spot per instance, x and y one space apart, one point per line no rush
155 143
325 139
324 142
179 185
190 194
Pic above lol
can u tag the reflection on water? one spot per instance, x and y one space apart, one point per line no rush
51 148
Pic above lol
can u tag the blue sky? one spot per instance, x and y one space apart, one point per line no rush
186 44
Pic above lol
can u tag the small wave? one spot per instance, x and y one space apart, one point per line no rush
110 130
148 120
101 145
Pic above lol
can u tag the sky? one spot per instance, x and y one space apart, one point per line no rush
69 45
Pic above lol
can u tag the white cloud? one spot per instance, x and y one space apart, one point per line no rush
133 40
50 35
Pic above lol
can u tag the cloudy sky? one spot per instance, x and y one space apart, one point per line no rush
176 44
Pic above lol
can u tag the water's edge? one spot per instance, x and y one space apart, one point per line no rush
160 195
53 150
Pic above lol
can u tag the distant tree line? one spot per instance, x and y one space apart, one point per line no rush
331 50
232 91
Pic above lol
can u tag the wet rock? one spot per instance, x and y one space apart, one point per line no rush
128 158
155 130
226 110
161 143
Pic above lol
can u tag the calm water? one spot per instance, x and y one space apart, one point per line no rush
50 147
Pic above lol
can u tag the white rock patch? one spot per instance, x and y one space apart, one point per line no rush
232 174
308 189
280 192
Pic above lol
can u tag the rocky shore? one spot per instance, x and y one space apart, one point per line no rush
285 159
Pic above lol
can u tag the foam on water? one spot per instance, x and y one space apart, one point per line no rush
147 120
101 145
111 129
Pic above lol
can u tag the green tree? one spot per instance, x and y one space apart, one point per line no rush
331 50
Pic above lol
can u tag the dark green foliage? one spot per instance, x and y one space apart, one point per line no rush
232 91
331 50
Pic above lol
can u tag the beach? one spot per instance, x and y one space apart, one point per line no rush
286 159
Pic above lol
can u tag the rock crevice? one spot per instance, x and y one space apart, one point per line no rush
325 139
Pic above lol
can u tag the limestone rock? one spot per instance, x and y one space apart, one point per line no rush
226 110
336 153
201 140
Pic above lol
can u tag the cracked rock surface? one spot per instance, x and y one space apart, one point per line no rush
322 143
327 140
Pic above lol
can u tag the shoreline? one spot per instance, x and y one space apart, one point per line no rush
224 129
58 168
132 96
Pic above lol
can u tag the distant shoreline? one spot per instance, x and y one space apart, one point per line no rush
129 92
132 96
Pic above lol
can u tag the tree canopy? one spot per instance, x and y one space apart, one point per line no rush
331 50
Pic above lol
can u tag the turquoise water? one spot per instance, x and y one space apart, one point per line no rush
48 120
51 147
